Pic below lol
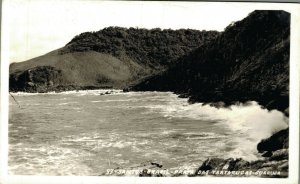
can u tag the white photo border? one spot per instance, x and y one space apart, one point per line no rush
293 177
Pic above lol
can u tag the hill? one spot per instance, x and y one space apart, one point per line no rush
110 58
248 61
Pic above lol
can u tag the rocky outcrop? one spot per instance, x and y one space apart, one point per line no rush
274 162
37 79
279 140
267 167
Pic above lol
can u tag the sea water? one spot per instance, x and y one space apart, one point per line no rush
86 132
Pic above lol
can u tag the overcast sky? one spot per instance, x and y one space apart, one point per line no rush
40 26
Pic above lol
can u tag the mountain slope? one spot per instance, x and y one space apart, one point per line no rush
75 70
248 61
113 57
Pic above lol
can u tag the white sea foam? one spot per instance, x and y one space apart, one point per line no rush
94 92
47 159
78 92
119 100
23 94
67 103
238 117
250 123
203 136
234 132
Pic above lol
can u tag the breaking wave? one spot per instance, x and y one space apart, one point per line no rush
250 123
122 129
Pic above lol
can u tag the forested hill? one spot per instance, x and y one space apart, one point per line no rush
155 48
248 61
114 57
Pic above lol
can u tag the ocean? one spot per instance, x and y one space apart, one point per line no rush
88 132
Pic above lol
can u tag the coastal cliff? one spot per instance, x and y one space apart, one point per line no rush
248 61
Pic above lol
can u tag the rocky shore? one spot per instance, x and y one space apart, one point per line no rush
273 163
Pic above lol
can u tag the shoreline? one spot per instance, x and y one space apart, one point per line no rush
67 92
273 164
273 158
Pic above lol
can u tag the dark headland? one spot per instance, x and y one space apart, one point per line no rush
248 61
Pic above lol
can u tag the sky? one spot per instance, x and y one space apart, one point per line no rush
37 27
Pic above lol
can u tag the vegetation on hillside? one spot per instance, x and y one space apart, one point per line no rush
155 48
248 61
113 57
